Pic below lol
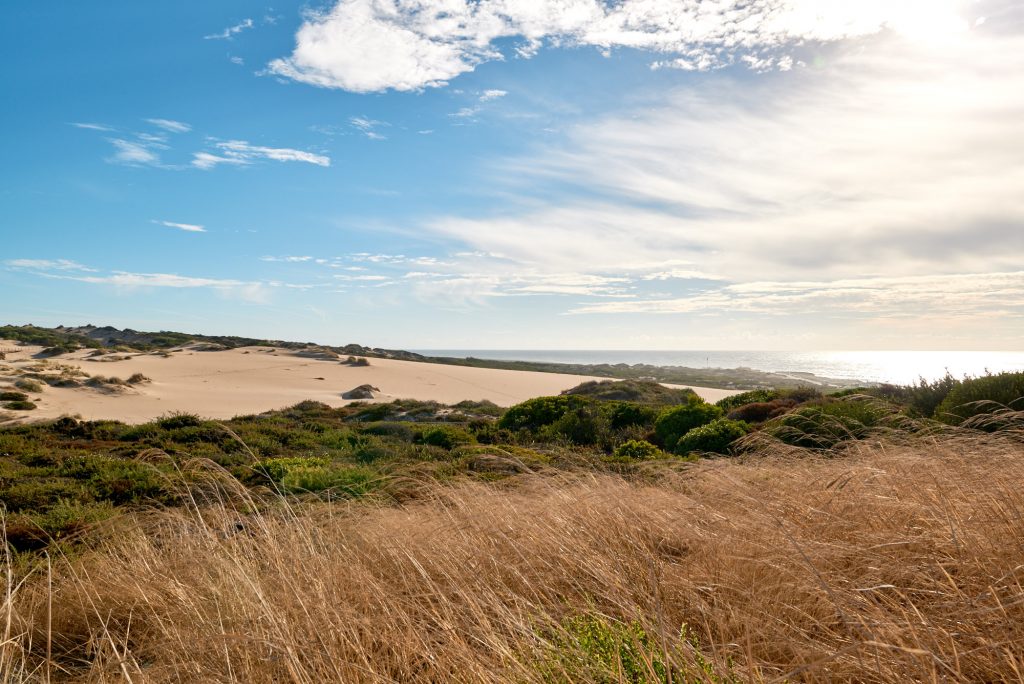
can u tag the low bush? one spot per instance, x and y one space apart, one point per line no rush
29 385
19 405
972 400
445 436
13 396
675 422
539 412
637 450
823 425
137 378
760 411
716 437
179 420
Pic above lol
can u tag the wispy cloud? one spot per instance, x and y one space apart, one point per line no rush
488 95
47 265
231 31
93 126
364 45
368 127
944 295
133 153
240 152
187 227
170 125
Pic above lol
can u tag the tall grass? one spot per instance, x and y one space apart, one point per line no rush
888 563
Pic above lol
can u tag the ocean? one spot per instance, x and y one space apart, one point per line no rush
900 367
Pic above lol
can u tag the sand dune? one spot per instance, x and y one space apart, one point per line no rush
223 384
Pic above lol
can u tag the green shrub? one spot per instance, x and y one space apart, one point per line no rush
29 385
594 648
13 396
922 399
637 450
629 414
277 468
981 397
585 425
179 420
675 422
830 422
19 405
137 378
352 481
539 412
743 398
715 437
446 436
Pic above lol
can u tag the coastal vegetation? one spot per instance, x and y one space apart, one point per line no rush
619 532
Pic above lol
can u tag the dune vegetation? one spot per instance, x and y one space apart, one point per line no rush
778 536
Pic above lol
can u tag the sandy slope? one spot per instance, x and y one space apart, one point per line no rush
223 384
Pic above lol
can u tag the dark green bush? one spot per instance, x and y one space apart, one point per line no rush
628 414
539 412
823 425
974 399
715 437
637 450
13 396
19 405
585 425
445 436
179 420
675 422
743 398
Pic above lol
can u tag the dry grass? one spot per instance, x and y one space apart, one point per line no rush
887 563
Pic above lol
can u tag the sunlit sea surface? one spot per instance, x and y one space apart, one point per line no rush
900 367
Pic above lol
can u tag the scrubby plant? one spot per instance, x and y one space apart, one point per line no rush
675 422
749 397
594 648
715 437
137 378
536 413
972 400
28 385
179 420
825 424
19 405
637 450
445 436
13 396
760 411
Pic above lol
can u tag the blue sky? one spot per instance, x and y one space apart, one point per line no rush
782 174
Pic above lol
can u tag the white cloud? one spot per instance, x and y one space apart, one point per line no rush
373 45
492 95
231 31
893 158
237 60
170 125
47 265
133 153
289 259
93 126
935 296
187 227
368 127
240 152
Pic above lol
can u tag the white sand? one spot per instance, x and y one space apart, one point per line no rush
224 384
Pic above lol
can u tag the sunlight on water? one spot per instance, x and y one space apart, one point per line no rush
899 367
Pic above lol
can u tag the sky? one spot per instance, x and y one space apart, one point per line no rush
513 174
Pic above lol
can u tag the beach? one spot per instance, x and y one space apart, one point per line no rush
246 380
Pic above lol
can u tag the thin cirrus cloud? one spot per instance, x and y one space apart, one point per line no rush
241 153
170 125
231 31
187 227
371 45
